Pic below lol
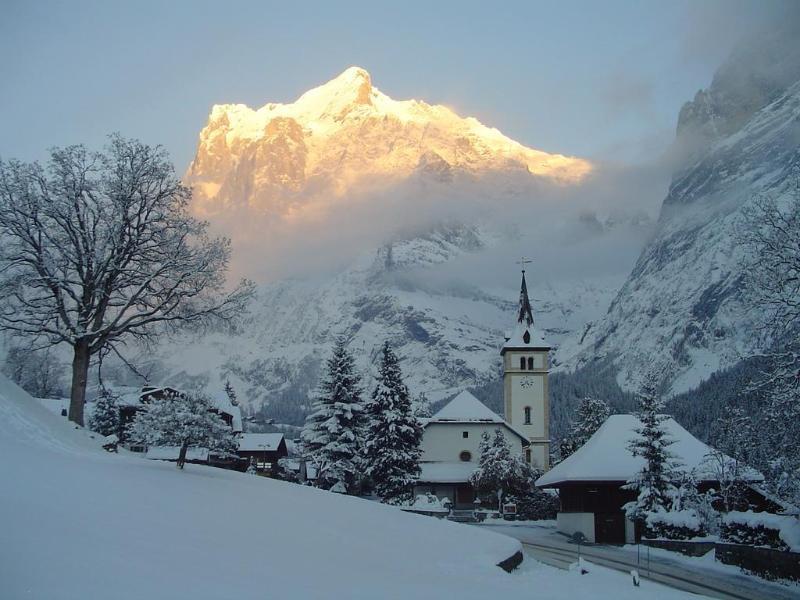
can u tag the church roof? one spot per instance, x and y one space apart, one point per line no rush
524 336
605 456
466 408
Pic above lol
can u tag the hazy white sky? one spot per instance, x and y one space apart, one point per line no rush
601 80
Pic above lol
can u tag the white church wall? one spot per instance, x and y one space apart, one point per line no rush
445 441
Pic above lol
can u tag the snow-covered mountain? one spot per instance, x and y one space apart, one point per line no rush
343 136
682 306
447 334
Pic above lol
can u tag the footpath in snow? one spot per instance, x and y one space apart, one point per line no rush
81 523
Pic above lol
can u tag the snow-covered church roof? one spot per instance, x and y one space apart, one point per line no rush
466 408
524 336
605 457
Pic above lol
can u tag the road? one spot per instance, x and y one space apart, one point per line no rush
545 544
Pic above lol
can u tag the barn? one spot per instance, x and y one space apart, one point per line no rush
589 482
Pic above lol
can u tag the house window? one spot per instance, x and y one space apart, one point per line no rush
465 434
522 362
528 455
527 415
526 337
465 456
530 363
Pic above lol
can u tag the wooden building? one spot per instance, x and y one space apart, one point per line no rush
590 481
264 449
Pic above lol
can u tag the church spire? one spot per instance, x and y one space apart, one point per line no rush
525 312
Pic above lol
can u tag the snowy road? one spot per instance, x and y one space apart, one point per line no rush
698 575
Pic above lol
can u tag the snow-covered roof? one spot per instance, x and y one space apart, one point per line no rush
446 472
466 407
172 452
254 442
516 339
605 457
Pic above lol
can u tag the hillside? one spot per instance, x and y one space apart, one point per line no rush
84 524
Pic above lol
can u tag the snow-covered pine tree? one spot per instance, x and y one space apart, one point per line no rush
499 471
655 481
231 393
105 417
422 407
331 436
592 413
392 449
183 420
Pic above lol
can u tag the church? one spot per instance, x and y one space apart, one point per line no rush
451 438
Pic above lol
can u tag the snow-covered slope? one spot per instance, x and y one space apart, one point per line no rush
682 308
342 135
82 524
448 336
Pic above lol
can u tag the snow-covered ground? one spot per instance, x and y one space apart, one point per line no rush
81 523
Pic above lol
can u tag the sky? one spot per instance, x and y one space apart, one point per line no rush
599 80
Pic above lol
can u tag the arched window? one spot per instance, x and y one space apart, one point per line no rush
526 337
522 362
465 456
530 363
527 415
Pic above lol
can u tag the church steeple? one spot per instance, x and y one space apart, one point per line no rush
525 313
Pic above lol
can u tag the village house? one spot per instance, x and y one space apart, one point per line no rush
263 450
589 482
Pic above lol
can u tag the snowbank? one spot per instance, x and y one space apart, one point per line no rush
83 523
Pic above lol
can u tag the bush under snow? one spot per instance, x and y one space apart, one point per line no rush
674 525
761 529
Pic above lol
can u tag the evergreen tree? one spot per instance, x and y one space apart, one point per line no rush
654 481
231 393
392 448
500 471
591 414
331 436
105 417
183 420
422 407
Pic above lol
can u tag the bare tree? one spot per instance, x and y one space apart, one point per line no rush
771 233
99 247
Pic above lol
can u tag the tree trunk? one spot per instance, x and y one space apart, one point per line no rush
182 455
80 373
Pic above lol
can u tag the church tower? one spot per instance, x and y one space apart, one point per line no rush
525 388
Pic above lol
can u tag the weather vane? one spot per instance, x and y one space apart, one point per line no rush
524 261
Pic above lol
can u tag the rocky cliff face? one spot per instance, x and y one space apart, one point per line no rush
341 136
682 308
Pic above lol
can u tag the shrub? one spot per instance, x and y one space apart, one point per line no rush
761 529
674 525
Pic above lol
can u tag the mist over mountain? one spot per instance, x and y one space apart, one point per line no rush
683 307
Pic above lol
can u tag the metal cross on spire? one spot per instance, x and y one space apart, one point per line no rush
524 261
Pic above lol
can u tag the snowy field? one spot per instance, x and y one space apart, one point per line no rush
81 523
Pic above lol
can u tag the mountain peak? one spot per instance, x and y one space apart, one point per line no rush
357 80
342 133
